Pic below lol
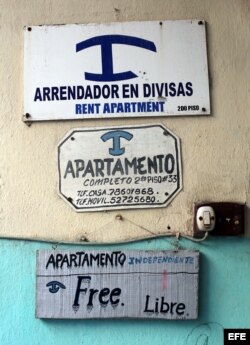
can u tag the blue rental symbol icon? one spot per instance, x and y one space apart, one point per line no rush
116 150
106 42
54 286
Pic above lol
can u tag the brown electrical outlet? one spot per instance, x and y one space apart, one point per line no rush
229 219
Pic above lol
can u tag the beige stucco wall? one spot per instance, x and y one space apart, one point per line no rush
215 149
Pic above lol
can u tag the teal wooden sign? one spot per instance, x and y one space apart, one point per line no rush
117 284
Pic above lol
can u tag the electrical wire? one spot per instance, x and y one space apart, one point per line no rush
84 240
96 243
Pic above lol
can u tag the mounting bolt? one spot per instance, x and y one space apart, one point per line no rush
84 239
118 217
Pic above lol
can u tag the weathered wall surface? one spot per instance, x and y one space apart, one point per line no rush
215 149
223 301
215 158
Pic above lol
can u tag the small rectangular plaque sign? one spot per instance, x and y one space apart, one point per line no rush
130 69
117 284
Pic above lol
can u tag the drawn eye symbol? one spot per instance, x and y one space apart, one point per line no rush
55 286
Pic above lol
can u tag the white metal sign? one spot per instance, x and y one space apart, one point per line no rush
119 167
115 284
115 70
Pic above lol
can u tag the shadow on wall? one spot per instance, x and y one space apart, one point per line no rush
204 334
209 332
247 221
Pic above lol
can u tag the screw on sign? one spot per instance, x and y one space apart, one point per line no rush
115 168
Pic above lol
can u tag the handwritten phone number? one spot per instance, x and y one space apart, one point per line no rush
116 200
116 196
132 199
115 192
131 191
